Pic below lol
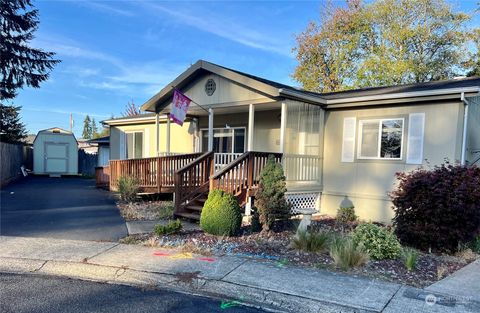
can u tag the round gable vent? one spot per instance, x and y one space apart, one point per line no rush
210 87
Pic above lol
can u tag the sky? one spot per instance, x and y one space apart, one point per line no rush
114 52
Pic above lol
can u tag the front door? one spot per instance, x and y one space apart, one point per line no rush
228 144
56 157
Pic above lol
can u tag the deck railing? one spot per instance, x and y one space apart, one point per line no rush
153 174
302 168
223 159
192 180
242 174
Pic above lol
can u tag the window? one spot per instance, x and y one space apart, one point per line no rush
381 139
225 140
134 146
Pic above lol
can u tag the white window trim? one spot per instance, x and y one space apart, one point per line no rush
233 138
126 143
380 121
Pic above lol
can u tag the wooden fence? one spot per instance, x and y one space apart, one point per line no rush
12 157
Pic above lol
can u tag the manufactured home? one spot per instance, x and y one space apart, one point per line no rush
331 145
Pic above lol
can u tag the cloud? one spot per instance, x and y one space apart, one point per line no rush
61 111
103 7
225 28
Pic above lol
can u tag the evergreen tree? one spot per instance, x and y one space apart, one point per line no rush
12 130
20 64
270 200
94 128
87 128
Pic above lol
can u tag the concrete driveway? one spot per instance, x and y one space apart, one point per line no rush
66 208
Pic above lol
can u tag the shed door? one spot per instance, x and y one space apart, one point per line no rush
56 157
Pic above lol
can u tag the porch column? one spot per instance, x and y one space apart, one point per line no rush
283 124
168 134
251 120
210 129
157 125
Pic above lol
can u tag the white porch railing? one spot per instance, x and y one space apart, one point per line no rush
302 168
223 159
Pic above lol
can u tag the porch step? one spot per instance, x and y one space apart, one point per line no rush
195 207
191 216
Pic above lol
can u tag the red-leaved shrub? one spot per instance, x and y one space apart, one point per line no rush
437 209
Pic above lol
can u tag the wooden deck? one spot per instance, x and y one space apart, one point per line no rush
191 176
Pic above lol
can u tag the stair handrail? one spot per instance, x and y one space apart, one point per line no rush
182 192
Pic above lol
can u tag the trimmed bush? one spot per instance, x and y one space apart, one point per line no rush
270 198
346 254
311 241
437 209
171 228
378 242
221 214
128 187
346 215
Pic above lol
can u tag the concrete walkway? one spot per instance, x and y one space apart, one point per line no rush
264 284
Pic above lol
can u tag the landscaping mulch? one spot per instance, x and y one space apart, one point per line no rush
274 246
146 210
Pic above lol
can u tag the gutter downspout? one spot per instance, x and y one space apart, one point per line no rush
465 128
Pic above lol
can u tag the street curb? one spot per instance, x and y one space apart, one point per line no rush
186 283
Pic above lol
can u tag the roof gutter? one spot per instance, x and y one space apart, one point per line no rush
299 95
405 95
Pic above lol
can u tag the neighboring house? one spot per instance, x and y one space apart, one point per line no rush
102 145
87 146
332 145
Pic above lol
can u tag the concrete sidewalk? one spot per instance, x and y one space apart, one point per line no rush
264 284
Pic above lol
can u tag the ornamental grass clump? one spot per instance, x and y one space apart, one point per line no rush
128 187
378 242
270 198
437 209
311 241
409 258
221 214
346 254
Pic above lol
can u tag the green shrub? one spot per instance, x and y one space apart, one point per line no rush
171 228
378 242
346 254
475 245
311 241
409 258
128 187
270 198
221 214
437 209
255 225
346 215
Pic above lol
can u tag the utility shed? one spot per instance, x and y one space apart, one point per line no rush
55 152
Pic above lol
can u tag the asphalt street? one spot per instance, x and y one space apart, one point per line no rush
28 293
63 208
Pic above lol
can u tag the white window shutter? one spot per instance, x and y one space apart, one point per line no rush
123 151
348 145
146 143
416 125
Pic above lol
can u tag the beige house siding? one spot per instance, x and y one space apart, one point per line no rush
367 182
473 130
181 138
